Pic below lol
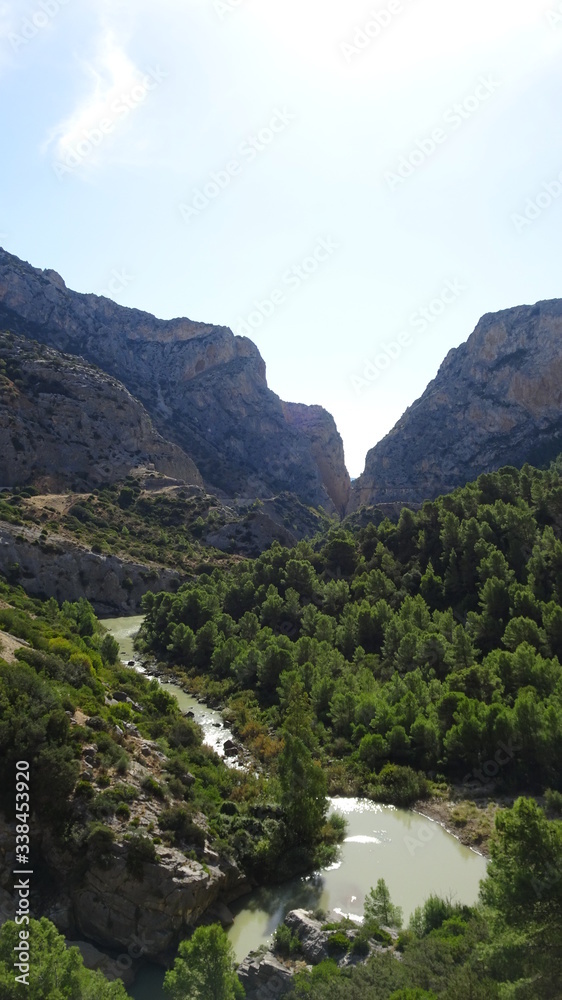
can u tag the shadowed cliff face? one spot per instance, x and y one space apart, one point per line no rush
65 423
204 388
496 400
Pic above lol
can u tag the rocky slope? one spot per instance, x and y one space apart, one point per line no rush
64 422
496 400
50 565
204 388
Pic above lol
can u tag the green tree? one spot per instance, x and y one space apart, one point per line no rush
303 790
204 968
379 908
109 649
55 971
524 887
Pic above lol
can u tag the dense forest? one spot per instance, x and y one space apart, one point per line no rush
423 649
389 659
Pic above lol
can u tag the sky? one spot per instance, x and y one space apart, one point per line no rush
351 185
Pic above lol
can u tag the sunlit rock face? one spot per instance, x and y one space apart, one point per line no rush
204 388
496 400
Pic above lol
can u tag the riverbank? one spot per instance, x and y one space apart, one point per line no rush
471 824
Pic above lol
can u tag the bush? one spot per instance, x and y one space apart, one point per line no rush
433 914
380 935
286 943
360 945
401 786
122 765
179 820
100 842
338 942
152 787
141 851
229 809
84 790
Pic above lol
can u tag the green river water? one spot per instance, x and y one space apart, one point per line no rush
413 854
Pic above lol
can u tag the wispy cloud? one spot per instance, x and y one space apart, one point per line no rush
116 87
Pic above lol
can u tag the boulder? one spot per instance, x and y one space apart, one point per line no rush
115 909
264 978
310 934
231 749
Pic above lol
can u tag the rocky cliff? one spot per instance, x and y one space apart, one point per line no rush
64 422
319 427
204 388
496 400
50 565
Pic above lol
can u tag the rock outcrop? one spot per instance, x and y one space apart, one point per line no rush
114 908
57 567
64 422
319 427
264 978
496 400
313 939
204 388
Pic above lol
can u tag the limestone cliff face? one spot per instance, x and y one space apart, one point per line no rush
327 447
204 388
55 566
65 423
496 400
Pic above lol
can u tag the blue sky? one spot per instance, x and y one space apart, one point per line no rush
350 184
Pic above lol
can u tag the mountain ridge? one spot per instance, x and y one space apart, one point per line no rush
496 400
204 388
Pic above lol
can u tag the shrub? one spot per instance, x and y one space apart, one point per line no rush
286 943
400 785
84 790
229 809
180 822
360 945
141 851
338 942
122 765
152 787
433 914
100 842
